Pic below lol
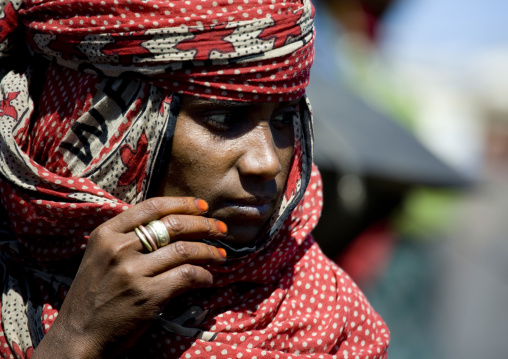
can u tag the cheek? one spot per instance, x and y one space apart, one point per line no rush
284 147
285 150
188 163
187 150
285 158
189 157
198 164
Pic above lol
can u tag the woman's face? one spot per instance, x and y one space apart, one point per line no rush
234 155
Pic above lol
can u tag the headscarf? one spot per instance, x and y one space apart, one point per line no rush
87 114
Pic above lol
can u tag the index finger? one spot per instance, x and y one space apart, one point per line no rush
156 208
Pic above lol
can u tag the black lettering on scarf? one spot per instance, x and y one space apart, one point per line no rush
83 151
115 89
116 94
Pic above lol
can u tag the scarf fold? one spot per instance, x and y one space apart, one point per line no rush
82 135
189 47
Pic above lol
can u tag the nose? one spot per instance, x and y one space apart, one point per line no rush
260 157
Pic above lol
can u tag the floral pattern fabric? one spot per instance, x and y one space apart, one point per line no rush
87 113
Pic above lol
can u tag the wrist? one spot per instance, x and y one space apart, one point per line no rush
62 343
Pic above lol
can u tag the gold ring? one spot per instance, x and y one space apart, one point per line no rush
148 237
161 233
143 239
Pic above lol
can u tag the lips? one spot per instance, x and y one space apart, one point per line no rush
248 209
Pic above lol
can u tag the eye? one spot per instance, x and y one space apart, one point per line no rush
218 121
221 118
284 118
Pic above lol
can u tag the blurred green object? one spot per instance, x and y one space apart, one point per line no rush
426 213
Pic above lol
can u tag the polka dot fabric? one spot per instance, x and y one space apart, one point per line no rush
288 301
80 155
223 49
84 159
85 147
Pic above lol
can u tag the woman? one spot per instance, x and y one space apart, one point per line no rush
158 186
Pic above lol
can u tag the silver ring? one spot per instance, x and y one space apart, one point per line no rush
143 239
148 236
161 233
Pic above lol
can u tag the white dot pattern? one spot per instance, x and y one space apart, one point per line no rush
288 301
285 301
58 199
171 42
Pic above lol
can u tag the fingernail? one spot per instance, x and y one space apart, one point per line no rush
222 252
221 226
202 205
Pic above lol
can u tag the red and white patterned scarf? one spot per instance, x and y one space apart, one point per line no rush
87 114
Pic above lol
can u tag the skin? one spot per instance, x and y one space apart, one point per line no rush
234 156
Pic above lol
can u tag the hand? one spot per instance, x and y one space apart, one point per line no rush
120 288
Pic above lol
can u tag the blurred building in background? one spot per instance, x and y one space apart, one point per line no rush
412 140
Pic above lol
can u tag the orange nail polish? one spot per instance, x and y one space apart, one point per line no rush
222 252
221 226
202 205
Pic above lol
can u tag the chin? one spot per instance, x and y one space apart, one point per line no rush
242 237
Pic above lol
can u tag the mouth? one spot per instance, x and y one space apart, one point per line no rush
245 217
247 209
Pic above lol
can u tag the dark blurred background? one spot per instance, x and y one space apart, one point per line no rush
411 123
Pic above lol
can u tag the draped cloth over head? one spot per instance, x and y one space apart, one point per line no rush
87 113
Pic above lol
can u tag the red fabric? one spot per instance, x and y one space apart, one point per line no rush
88 147
289 301
153 38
